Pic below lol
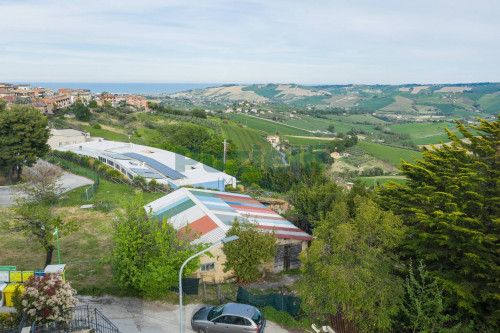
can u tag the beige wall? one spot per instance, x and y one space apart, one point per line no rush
219 258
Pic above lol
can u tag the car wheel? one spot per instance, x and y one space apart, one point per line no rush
202 330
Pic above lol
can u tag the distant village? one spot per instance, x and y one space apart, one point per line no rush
49 101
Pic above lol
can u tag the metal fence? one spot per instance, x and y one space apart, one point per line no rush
84 318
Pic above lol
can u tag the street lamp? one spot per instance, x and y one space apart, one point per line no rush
223 241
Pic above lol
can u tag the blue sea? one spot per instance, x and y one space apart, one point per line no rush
125 88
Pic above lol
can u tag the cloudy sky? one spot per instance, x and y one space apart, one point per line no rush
216 41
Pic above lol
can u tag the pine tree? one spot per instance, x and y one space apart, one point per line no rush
451 204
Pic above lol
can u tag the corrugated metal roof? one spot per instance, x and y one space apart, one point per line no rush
189 206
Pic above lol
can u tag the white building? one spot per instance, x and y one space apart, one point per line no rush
65 137
152 163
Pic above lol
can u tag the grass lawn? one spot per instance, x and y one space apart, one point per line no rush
106 134
392 154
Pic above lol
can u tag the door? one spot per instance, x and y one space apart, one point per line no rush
286 257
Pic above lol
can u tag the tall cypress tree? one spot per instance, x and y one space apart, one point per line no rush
451 204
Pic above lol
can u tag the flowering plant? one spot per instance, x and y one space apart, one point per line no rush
48 298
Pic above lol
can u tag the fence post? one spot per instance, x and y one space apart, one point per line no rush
204 292
219 293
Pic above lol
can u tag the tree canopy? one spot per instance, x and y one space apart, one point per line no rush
148 253
451 204
23 138
253 248
350 265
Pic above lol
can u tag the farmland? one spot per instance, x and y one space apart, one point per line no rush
268 127
392 154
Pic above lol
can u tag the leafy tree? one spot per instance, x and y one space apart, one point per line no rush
313 203
93 104
23 138
81 111
38 223
349 266
423 309
451 204
199 113
331 128
148 253
253 248
250 175
41 183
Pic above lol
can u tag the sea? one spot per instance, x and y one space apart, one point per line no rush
125 88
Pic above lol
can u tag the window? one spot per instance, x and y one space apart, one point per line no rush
209 266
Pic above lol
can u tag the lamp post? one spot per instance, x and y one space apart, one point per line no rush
57 237
223 241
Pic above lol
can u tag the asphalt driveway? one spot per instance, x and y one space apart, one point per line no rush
69 181
132 314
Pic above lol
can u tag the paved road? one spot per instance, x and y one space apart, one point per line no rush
132 314
69 181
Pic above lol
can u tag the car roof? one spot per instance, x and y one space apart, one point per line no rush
237 309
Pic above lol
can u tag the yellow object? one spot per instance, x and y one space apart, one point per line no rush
9 292
16 276
27 274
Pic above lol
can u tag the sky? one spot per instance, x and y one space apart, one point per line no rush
268 41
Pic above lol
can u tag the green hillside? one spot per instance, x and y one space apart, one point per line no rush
245 138
392 154
268 127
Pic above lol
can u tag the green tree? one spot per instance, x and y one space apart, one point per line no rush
349 266
250 175
253 248
313 203
451 204
93 104
148 253
423 308
81 111
23 138
41 183
38 223
199 113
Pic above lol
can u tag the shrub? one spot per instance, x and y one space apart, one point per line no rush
48 298
96 126
114 173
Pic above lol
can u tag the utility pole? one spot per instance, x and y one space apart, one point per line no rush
225 148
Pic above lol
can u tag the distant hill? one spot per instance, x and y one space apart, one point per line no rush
427 101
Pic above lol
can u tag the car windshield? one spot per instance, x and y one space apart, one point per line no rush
257 317
215 312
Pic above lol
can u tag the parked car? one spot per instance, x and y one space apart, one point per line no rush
230 318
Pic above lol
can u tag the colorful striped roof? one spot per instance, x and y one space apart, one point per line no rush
208 215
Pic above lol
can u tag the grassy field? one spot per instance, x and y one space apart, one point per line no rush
245 138
294 141
372 181
391 154
85 251
490 103
422 130
106 134
268 126
377 103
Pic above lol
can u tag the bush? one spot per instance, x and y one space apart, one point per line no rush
114 173
96 126
48 298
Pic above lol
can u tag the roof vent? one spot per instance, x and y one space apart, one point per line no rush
80 147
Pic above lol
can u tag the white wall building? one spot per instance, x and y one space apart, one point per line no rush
66 137
153 163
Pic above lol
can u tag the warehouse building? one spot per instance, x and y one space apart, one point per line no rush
208 215
163 166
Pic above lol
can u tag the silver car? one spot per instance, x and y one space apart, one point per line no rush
229 318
